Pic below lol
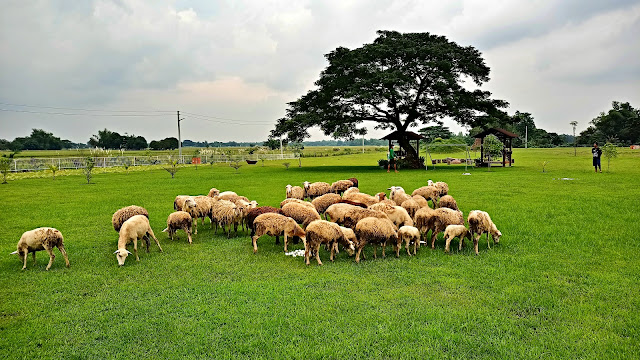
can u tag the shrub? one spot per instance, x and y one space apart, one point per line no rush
383 163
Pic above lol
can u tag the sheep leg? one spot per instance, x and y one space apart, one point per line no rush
254 241
434 234
64 254
188 231
406 245
277 240
51 257
307 250
34 257
358 254
146 241
334 247
285 242
26 254
318 254
135 249
375 251
195 224
447 243
475 243
384 247
488 241
154 238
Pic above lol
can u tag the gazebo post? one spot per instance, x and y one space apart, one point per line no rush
504 151
482 150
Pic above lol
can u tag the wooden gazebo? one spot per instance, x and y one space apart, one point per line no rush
507 149
409 135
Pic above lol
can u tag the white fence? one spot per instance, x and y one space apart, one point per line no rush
35 164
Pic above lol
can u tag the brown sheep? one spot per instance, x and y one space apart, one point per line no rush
137 227
178 203
324 232
44 238
273 224
302 214
479 223
340 186
420 200
337 211
411 206
354 181
448 201
398 195
213 193
122 215
254 213
429 193
323 202
298 201
313 190
189 205
352 216
443 218
443 188
225 213
453 231
179 220
294 192
371 230
362 198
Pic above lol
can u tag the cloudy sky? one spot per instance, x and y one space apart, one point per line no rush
230 67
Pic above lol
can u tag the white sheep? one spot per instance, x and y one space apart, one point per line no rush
479 223
407 234
453 231
44 238
179 220
137 227
313 190
294 192
275 225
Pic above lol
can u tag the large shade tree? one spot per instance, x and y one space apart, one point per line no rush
397 82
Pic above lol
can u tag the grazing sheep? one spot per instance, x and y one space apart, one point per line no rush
254 213
479 223
302 214
313 190
189 205
362 198
298 201
429 193
438 222
453 231
224 213
411 206
324 232
137 227
448 201
352 216
323 202
243 207
350 235
340 186
44 238
354 181
273 224
371 230
397 214
420 200
295 192
213 193
350 190
407 234
178 203
443 188
203 206
336 212
122 215
179 220
398 195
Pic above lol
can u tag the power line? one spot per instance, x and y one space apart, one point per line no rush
93 110
78 114
235 121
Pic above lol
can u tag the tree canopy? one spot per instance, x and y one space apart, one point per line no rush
621 124
401 80
108 139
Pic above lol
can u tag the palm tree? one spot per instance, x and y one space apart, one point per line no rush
574 124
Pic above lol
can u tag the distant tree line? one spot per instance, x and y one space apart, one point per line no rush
38 140
620 125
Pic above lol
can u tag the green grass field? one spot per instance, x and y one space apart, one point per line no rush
564 281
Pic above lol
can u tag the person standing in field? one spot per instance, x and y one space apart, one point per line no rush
391 156
597 153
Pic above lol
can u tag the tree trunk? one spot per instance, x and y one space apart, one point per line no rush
412 154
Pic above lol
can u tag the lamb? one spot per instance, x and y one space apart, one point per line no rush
137 227
275 225
340 186
411 206
294 192
224 213
325 232
302 214
407 234
443 188
298 201
336 212
350 190
313 190
352 216
437 220
323 202
213 193
179 220
453 231
398 195
375 231
254 213
122 215
354 181
448 201
429 193
44 238
362 198
479 223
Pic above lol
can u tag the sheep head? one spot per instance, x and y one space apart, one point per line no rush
288 189
121 255
495 234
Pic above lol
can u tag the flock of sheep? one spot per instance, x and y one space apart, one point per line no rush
352 219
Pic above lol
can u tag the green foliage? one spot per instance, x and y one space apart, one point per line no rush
235 165
272 144
431 133
609 151
383 163
89 164
286 165
436 146
494 145
622 122
126 163
169 143
416 77
172 166
5 167
53 168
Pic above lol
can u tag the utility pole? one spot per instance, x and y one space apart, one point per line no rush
363 143
179 139
574 124
526 135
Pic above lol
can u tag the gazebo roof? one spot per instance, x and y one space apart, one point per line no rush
408 134
497 132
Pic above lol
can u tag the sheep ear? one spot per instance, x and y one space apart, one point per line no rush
165 230
128 252
14 253
115 252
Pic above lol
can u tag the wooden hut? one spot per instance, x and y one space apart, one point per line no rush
409 135
506 137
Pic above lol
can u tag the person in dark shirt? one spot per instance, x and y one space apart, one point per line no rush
597 153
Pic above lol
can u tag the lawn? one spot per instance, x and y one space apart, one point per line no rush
564 281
